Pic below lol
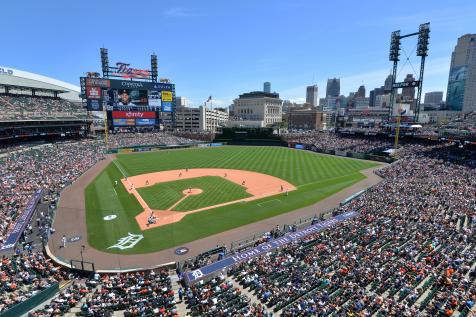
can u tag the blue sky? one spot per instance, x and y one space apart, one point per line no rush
224 48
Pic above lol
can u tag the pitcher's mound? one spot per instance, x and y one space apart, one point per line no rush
192 191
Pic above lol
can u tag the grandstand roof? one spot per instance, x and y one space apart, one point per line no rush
14 77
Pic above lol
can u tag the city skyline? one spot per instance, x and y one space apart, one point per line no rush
210 61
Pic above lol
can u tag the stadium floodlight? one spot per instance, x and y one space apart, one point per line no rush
394 46
153 64
104 61
423 36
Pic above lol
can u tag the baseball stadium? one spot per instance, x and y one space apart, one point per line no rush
118 200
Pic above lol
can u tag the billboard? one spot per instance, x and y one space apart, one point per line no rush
155 99
123 122
166 95
133 114
142 122
21 222
93 92
94 105
167 106
129 84
456 85
98 82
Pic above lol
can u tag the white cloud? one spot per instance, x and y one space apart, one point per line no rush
223 102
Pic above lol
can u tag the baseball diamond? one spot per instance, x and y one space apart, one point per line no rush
232 186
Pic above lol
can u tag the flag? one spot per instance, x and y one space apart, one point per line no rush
209 99
402 111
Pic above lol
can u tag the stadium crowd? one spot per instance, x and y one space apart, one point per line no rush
412 252
149 138
15 107
327 141
24 275
47 167
218 297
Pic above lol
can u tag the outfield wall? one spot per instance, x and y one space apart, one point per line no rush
157 147
356 155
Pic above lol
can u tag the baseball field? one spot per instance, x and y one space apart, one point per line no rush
194 193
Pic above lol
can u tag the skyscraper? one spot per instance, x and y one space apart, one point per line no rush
461 92
267 87
388 84
408 93
434 97
374 93
360 92
311 95
333 87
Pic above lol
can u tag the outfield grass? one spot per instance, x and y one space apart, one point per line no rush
216 190
316 176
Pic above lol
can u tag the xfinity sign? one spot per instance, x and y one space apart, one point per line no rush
6 71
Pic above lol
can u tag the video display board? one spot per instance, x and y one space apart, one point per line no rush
116 94
133 118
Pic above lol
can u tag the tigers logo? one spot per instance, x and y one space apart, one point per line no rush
128 241
123 70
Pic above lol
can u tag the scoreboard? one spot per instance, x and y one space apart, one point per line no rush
111 94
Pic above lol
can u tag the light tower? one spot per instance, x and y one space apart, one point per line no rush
394 56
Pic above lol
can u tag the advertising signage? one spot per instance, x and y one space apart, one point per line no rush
123 70
123 122
200 273
124 84
167 106
98 82
128 84
94 105
145 122
93 92
133 114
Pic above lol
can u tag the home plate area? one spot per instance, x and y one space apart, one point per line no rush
168 196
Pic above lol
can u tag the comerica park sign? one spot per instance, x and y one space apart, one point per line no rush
406 84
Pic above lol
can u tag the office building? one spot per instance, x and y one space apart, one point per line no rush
312 95
306 119
263 108
361 92
181 102
200 119
433 97
333 87
267 87
408 94
388 84
461 92
382 101
374 93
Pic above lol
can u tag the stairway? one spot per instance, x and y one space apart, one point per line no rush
181 306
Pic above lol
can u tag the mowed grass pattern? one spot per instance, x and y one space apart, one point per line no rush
316 176
294 166
216 190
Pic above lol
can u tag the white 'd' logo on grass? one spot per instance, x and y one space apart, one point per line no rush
127 242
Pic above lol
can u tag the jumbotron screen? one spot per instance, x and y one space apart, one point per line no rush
117 94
